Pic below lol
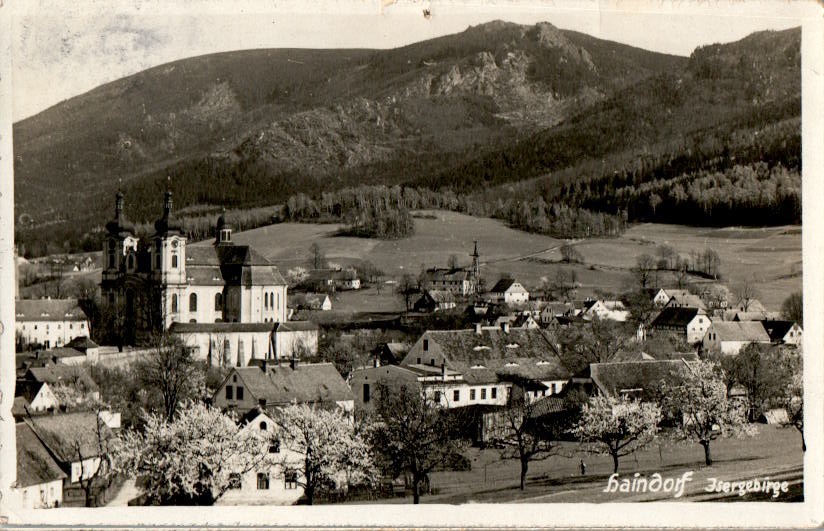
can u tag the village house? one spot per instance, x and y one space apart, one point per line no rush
38 396
633 379
334 279
310 301
678 298
364 381
74 378
748 305
458 281
435 301
201 283
271 483
480 366
49 322
76 443
39 476
515 321
270 386
508 291
611 310
555 309
783 332
391 352
692 323
729 337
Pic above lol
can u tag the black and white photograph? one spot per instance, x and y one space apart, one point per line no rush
411 263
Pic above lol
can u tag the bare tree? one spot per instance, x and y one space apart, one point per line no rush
171 370
645 271
746 292
407 287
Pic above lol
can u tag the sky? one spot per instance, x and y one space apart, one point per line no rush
62 49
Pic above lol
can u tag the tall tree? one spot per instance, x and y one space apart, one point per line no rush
792 309
406 288
746 292
793 398
317 258
334 453
701 407
172 372
413 433
191 460
618 427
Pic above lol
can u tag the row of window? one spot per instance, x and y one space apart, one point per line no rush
236 393
456 394
59 326
290 480
269 301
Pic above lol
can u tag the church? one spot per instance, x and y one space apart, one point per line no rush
217 290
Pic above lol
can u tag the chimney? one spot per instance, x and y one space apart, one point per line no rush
478 328
443 371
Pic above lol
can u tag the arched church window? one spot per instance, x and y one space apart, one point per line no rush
218 301
174 303
111 260
193 302
131 261
174 261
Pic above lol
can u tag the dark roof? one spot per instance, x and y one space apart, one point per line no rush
439 296
59 352
206 262
646 376
333 274
439 274
296 326
546 406
19 406
674 317
48 310
66 432
35 465
282 385
82 342
217 328
63 375
777 329
27 389
502 285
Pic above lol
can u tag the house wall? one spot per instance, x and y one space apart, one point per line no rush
44 400
51 333
288 342
237 340
42 495
87 469
794 336
661 298
447 390
697 328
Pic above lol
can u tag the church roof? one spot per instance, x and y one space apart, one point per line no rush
206 266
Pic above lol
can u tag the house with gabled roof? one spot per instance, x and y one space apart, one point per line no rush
435 300
783 332
37 394
459 281
270 385
691 323
678 298
50 322
729 337
605 309
480 366
633 379
74 377
509 291
39 476
365 381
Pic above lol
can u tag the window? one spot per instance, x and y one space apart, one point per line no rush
239 393
483 394
437 397
262 424
494 392
131 261
174 261
472 394
111 260
234 480
229 392
111 298
432 362
290 479
419 360
366 393
174 303
193 302
218 302
274 448
278 301
262 481
157 261
426 344
456 395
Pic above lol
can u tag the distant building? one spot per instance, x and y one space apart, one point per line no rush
271 386
634 379
692 323
729 337
50 322
334 279
784 332
678 298
365 382
295 339
509 291
457 281
611 310
38 395
434 301
76 378
165 279
39 477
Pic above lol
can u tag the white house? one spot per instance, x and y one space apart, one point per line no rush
612 310
784 332
39 476
50 322
509 291
729 337
274 482
693 323
678 298
39 395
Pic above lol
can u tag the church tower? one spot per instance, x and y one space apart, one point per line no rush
476 268
168 262
120 252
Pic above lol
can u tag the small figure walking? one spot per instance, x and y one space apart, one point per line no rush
583 468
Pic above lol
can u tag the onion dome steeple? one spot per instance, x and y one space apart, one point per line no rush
223 230
168 223
119 226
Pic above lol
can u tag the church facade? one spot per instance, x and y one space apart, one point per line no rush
162 280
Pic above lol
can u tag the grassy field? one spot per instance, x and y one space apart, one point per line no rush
771 255
774 452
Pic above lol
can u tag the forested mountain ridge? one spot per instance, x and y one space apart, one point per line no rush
487 108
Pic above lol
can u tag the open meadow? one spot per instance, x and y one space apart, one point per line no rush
771 255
